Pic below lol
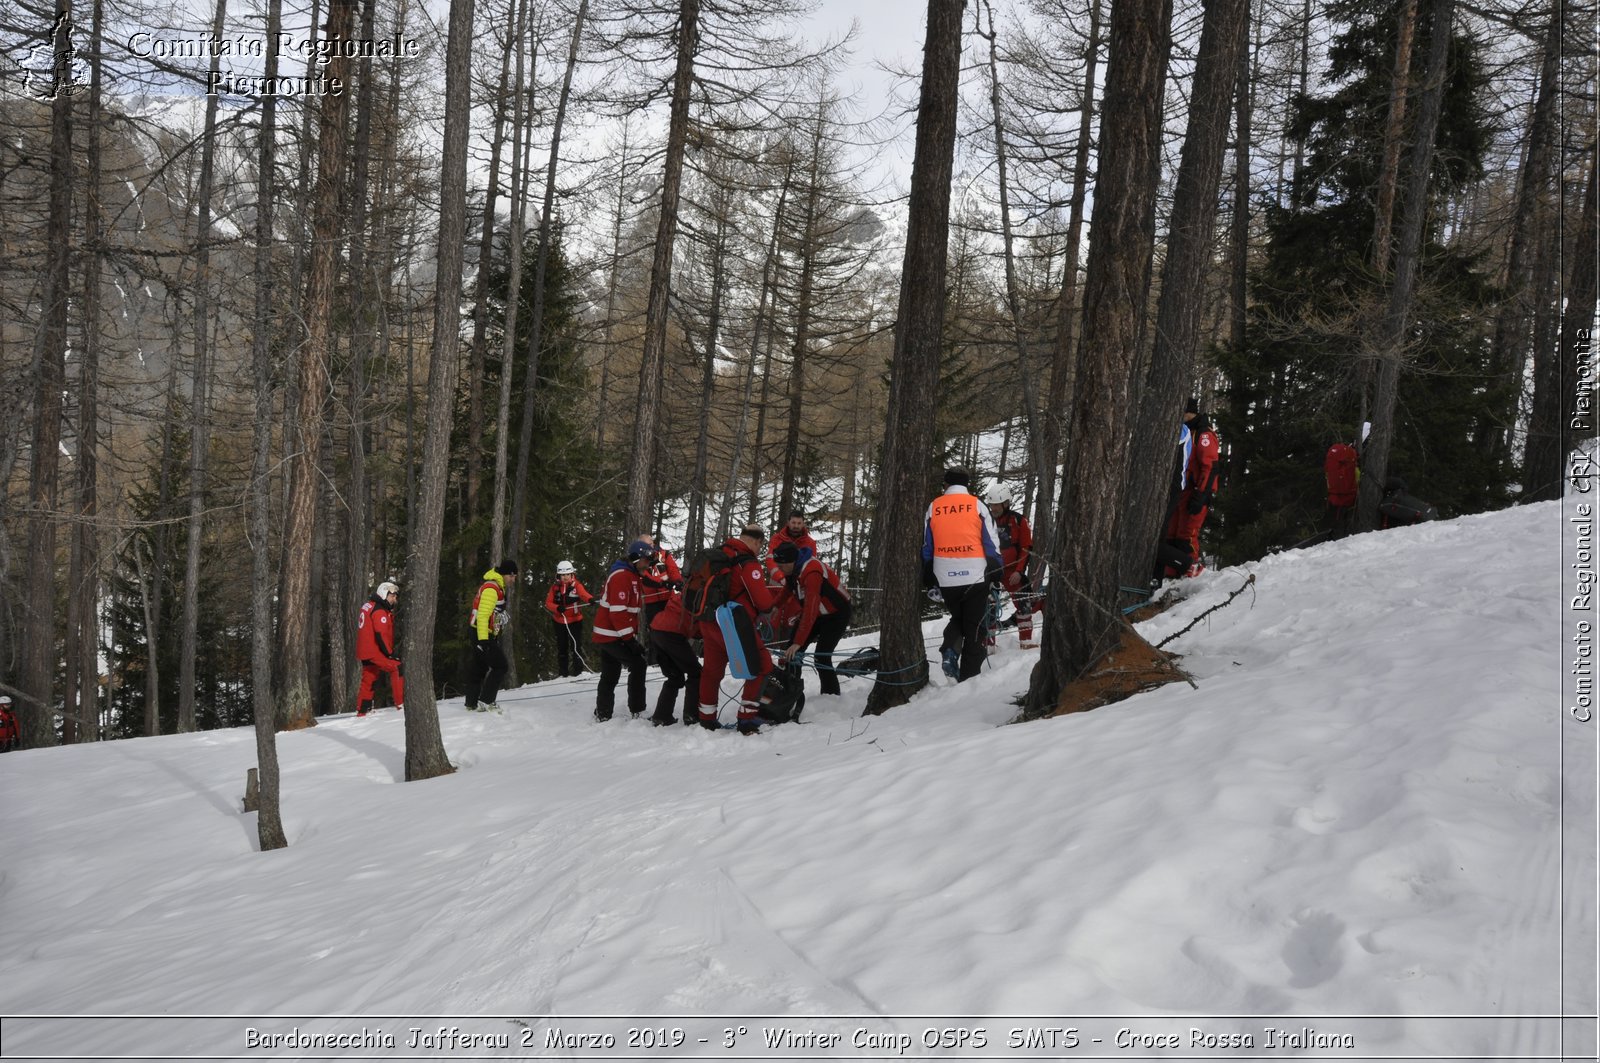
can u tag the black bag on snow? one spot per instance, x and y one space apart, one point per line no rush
1400 509
862 662
783 696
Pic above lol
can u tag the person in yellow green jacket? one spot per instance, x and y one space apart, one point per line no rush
487 617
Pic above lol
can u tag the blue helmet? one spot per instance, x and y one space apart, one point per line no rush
640 549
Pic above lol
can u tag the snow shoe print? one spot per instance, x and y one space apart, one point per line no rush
952 662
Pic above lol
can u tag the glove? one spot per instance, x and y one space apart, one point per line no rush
1196 504
928 579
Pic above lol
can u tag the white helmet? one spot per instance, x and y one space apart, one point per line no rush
564 568
997 495
386 588
4 700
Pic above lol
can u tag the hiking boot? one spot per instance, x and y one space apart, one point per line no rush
470 708
952 662
1194 570
601 717
710 723
663 719
491 707
749 727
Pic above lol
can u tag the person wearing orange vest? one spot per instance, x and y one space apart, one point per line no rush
1016 550
824 609
961 556
562 601
375 647
487 619
747 585
1198 475
618 634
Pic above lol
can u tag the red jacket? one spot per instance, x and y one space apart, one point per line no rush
817 589
564 598
1202 461
656 585
375 631
9 731
617 618
1016 540
748 584
674 619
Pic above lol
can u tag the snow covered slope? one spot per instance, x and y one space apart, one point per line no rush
1358 813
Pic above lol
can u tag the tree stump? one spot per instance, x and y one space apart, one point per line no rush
252 791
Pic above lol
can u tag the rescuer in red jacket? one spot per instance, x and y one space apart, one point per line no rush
1198 474
375 647
747 585
561 602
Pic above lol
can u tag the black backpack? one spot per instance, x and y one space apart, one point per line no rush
783 696
710 584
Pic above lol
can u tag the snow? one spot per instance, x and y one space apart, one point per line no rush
1372 819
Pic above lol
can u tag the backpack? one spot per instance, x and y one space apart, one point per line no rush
783 696
1344 473
1400 509
710 584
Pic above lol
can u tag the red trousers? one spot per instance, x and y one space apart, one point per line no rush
716 662
1186 526
371 670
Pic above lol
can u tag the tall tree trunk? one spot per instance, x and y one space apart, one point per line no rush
519 508
1239 233
803 309
521 136
269 822
695 537
480 316
198 434
425 754
1039 458
1557 425
1081 619
612 282
82 717
1053 429
1512 335
641 464
38 661
768 265
1407 259
296 708
1223 34
364 299
1577 318
908 452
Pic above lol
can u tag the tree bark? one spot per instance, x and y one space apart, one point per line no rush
1052 430
269 822
36 704
1512 331
198 422
641 464
82 722
521 134
1081 618
480 316
519 508
905 480
425 754
1407 259
296 708
1168 380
